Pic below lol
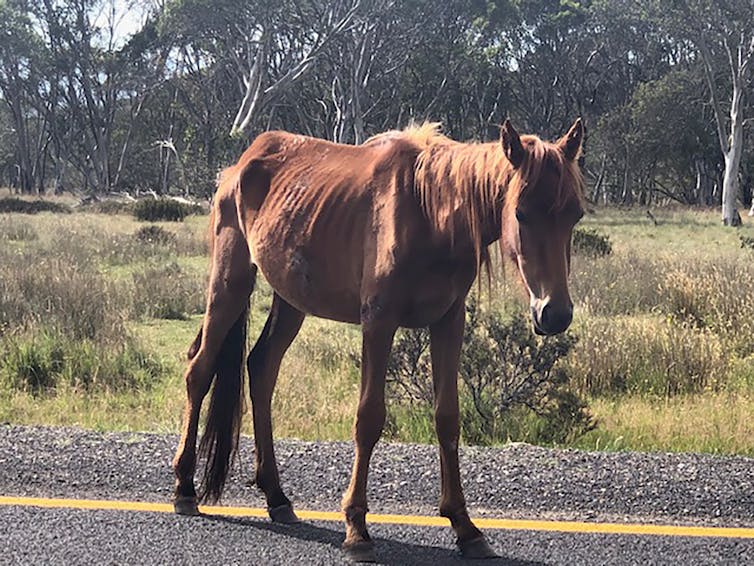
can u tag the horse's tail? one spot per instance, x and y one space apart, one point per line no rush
220 439
223 423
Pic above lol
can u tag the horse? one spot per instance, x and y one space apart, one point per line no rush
391 233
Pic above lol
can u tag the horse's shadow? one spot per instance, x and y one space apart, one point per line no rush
388 551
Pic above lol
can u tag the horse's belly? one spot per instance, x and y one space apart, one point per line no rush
310 284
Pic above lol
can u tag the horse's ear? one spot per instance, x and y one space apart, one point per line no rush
512 147
570 144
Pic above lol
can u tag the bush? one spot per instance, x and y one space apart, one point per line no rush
587 241
154 210
154 234
513 385
110 207
17 205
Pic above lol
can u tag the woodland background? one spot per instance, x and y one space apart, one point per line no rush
106 95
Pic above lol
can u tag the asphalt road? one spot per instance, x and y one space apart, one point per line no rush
516 482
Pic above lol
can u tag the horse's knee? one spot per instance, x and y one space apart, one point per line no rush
448 429
370 420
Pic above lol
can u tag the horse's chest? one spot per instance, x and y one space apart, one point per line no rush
431 292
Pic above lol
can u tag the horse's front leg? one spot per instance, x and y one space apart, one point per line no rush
446 337
370 417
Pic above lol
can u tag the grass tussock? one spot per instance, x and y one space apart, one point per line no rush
646 356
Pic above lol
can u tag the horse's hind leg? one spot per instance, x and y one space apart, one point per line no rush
231 283
282 326
446 337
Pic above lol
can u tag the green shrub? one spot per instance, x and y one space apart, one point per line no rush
587 241
513 387
155 210
17 205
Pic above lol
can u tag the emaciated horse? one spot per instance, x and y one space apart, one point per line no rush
388 234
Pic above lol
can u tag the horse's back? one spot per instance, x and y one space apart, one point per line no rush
331 215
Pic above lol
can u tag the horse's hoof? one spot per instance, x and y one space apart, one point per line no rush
477 548
283 514
360 552
186 505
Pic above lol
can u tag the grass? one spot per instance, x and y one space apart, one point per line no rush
718 423
664 356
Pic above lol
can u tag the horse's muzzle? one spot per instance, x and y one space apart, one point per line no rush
551 319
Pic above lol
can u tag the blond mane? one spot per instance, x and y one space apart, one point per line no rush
476 183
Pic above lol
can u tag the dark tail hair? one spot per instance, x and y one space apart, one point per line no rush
220 439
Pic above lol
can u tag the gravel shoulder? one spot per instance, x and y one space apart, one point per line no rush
515 481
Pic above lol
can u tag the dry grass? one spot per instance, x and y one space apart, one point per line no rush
715 423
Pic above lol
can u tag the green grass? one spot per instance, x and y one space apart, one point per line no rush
664 358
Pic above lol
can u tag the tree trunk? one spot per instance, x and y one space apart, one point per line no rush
733 158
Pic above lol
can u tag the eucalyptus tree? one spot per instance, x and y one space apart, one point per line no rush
723 36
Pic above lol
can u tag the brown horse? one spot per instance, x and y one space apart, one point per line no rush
388 234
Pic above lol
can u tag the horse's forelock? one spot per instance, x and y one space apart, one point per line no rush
539 155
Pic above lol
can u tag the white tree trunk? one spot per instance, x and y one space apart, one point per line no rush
733 156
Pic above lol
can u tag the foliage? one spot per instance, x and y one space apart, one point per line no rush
154 210
154 109
154 234
23 206
588 241
513 387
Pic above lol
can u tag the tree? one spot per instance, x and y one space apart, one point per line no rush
723 35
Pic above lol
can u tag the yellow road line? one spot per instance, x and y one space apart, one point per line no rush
415 520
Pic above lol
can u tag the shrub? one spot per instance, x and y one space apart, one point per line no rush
154 210
15 204
513 385
154 234
587 241
110 207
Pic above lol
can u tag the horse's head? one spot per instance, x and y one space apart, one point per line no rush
543 204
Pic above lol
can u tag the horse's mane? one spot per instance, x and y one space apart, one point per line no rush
477 182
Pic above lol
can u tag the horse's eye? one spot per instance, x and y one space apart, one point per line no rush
521 217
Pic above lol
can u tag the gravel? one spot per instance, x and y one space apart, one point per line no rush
515 481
